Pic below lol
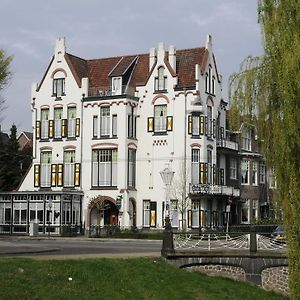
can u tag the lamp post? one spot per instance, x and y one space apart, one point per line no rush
167 176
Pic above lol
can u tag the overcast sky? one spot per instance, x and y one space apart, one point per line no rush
101 28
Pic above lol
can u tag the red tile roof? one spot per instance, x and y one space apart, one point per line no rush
100 70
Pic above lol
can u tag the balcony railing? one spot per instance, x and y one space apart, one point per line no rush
213 190
228 144
107 91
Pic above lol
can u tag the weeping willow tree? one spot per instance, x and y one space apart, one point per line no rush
266 93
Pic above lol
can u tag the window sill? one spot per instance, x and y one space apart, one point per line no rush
104 188
160 91
160 133
44 140
71 138
132 189
196 136
57 139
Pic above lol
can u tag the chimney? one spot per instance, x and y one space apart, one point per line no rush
152 58
208 45
60 49
161 52
172 57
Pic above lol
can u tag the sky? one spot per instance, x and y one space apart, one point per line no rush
102 28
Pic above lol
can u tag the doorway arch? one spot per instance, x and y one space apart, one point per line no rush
102 211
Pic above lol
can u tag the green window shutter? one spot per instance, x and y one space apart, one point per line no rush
77 175
190 124
38 130
77 128
50 129
53 175
64 123
36 175
202 125
169 123
150 124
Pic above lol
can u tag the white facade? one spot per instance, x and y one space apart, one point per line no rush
108 127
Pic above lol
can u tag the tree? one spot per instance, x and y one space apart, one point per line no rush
5 75
179 192
10 171
271 85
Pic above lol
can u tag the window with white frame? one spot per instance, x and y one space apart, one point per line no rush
146 213
116 85
245 211
46 160
213 85
272 178
71 121
254 215
104 167
209 121
58 122
245 171
131 167
195 213
131 124
95 126
44 123
58 88
174 213
195 166
160 118
254 173
161 80
114 125
69 168
262 173
104 121
233 168
20 213
246 140
210 81
195 125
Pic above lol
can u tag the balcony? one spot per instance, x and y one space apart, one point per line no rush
107 91
222 143
209 189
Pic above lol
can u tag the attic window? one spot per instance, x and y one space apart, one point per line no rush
161 80
59 57
58 87
116 86
210 81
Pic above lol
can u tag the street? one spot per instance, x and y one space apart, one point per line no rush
58 248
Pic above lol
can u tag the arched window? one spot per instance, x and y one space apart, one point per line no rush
58 87
195 166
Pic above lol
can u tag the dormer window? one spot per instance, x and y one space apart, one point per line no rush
116 86
161 80
58 87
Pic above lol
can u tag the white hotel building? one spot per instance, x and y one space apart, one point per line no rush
105 128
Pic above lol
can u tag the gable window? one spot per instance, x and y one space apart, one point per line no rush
131 167
116 85
233 168
160 118
245 171
213 85
246 140
71 121
161 80
195 166
57 122
58 88
262 173
69 168
46 160
209 121
206 83
254 173
131 126
45 123
104 121
104 167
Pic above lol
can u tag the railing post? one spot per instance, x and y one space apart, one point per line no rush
167 245
253 240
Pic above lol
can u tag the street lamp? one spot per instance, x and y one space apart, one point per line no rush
167 175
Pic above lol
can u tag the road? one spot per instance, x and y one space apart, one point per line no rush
60 248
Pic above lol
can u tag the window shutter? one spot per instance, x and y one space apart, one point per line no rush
206 125
38 129
206 173
60 174
202 129
150 124
64 123
202 173
214 128
77 175
169 123
222 176
50 129
190 124
36 175
77 128
53 175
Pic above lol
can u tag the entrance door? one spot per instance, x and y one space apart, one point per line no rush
111 213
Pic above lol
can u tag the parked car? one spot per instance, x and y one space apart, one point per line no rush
278 235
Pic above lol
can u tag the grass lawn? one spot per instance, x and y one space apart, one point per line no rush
137 278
